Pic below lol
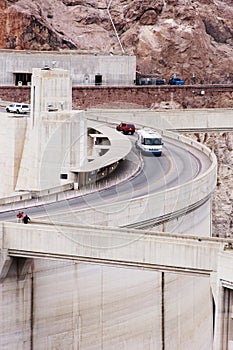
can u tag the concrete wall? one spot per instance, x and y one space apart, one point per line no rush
52 87
49 151
48 144
33 159
90 306
114 246
115 70
12 135
189 119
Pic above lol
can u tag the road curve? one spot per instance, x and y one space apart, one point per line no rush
179 164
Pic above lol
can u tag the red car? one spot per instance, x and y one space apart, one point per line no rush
126 128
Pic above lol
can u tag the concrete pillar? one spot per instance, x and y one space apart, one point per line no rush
51 89
56 139
5 264
221 319
23 266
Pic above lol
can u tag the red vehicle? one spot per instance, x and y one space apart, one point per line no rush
126 128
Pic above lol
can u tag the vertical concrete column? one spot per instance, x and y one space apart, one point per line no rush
5 259
221 319
5 264
56 138
230 335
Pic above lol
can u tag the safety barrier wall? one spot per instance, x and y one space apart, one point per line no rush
188 119
174 201
171 201
39 197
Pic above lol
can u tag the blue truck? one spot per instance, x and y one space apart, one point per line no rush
176 81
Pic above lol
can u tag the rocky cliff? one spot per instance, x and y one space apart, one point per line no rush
193 39
222 210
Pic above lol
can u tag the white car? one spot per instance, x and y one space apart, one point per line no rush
20 108
51 108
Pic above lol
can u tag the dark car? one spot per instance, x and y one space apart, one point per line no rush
160 81
126 128
176 81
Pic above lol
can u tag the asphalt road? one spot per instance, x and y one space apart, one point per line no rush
177 165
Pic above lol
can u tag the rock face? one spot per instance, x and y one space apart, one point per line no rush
222 209
192 39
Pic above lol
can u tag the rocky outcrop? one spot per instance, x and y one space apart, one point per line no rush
23 30
192 39
222 210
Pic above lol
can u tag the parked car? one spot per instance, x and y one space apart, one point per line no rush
52 108
150 81
19 108
160 81
126 128
176 81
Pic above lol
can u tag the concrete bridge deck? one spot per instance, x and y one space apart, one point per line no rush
113 246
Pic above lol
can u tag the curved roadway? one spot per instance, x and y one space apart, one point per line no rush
178 165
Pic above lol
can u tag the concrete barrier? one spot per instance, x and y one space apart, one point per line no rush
172 119
35 197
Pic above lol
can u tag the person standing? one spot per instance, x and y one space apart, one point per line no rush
26 219
20 216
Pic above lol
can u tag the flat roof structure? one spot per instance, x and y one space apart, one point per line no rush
86 68
119 147
149 133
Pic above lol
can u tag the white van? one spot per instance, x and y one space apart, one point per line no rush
20 108
149 141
